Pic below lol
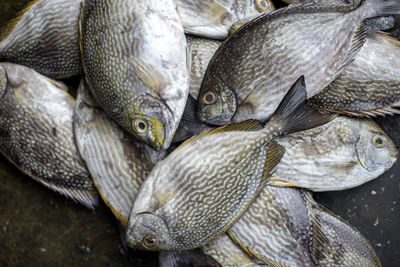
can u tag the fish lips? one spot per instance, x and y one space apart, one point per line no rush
147 231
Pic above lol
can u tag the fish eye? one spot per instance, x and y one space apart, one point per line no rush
378 142
149 241
262 5
209 98
141 126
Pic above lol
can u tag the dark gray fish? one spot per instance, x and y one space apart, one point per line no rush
36 132
285 227
199 190
370 86
250 73
45 37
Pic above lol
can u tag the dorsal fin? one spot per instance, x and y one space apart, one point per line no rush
249 125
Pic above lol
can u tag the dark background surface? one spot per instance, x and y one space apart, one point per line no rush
41 228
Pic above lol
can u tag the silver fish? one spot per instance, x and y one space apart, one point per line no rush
135 61
370 85
227 253
285 227
117 162
199 190
202 50
250 73
45 37
36 132
212 18
341 154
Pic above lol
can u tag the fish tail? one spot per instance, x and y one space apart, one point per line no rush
379 8
294 114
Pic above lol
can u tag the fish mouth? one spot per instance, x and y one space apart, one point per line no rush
206 117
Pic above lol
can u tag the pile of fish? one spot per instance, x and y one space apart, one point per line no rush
204 149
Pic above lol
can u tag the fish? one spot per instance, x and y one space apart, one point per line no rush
192 258
341 154
288 228
212 18
369 87
36 133
351 3
117 162
203 186
253 69
45 37
226 252
202 50
136 64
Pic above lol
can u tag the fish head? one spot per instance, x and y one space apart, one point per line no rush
147 231
150 121
376 152
216 104
3 81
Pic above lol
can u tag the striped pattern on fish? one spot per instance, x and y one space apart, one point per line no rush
37 136
276 228
227 253
45 38
254 68
135 62
370 85
202 50
117 162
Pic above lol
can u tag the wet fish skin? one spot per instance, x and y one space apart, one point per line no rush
370 85
117 162
266 55
341 154
202 50
45 37
212 18
227 253
176 210
193 258
36 133
290 229
143 81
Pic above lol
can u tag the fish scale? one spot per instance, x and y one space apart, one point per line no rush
116 161
328 157
288 228
266 55
222 171
212 18
36 122
45 38
369 86
131 75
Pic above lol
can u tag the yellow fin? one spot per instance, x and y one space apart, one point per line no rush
279 183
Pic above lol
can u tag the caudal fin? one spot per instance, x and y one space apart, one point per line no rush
294 114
